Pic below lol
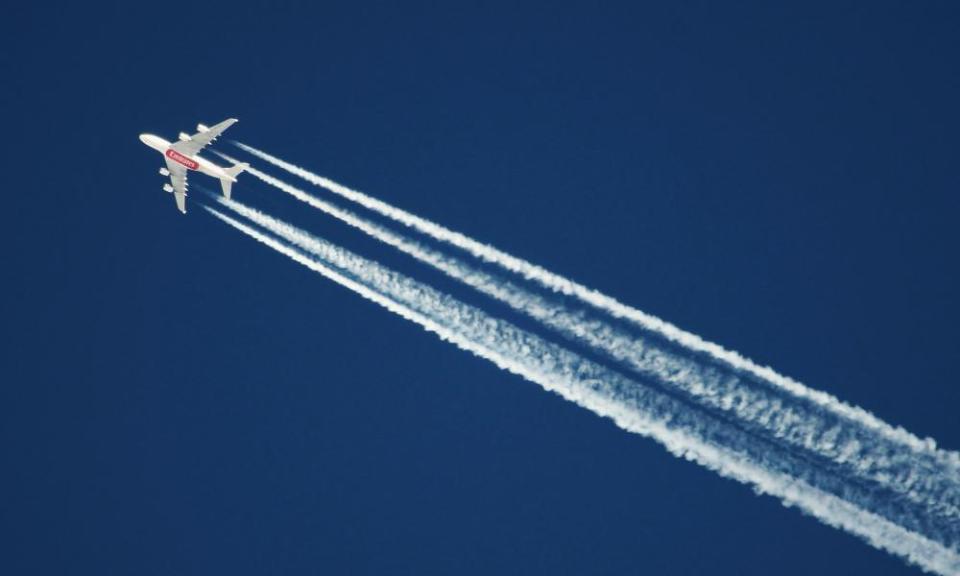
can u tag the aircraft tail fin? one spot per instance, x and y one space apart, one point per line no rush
232 172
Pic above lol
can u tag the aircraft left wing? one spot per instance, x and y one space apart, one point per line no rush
200 139
178 177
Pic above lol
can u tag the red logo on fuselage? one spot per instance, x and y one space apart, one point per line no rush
181 159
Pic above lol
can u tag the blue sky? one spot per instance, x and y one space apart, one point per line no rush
179 400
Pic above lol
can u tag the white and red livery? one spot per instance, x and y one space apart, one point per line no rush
182 155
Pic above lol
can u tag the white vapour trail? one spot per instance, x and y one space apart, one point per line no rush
612 306
683 432
768 411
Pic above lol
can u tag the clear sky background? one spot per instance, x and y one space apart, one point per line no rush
176 399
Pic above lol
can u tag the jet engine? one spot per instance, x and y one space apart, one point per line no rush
184 137
201 128
164 172
168 188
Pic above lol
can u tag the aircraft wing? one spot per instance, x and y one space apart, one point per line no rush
200 139
178 177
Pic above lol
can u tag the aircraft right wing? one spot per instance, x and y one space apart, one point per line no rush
178 177
200 139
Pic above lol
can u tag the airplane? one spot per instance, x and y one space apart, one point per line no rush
181 156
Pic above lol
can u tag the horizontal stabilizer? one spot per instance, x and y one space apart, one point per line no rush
232 173
226 184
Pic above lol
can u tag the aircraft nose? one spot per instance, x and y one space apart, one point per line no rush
145 139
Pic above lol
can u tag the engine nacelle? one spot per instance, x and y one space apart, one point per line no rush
184 137
168 188
201 128
164 172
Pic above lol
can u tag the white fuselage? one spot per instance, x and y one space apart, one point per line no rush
190 162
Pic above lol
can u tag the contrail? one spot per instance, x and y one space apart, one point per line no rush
852 451
765 410
684 432
568 287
